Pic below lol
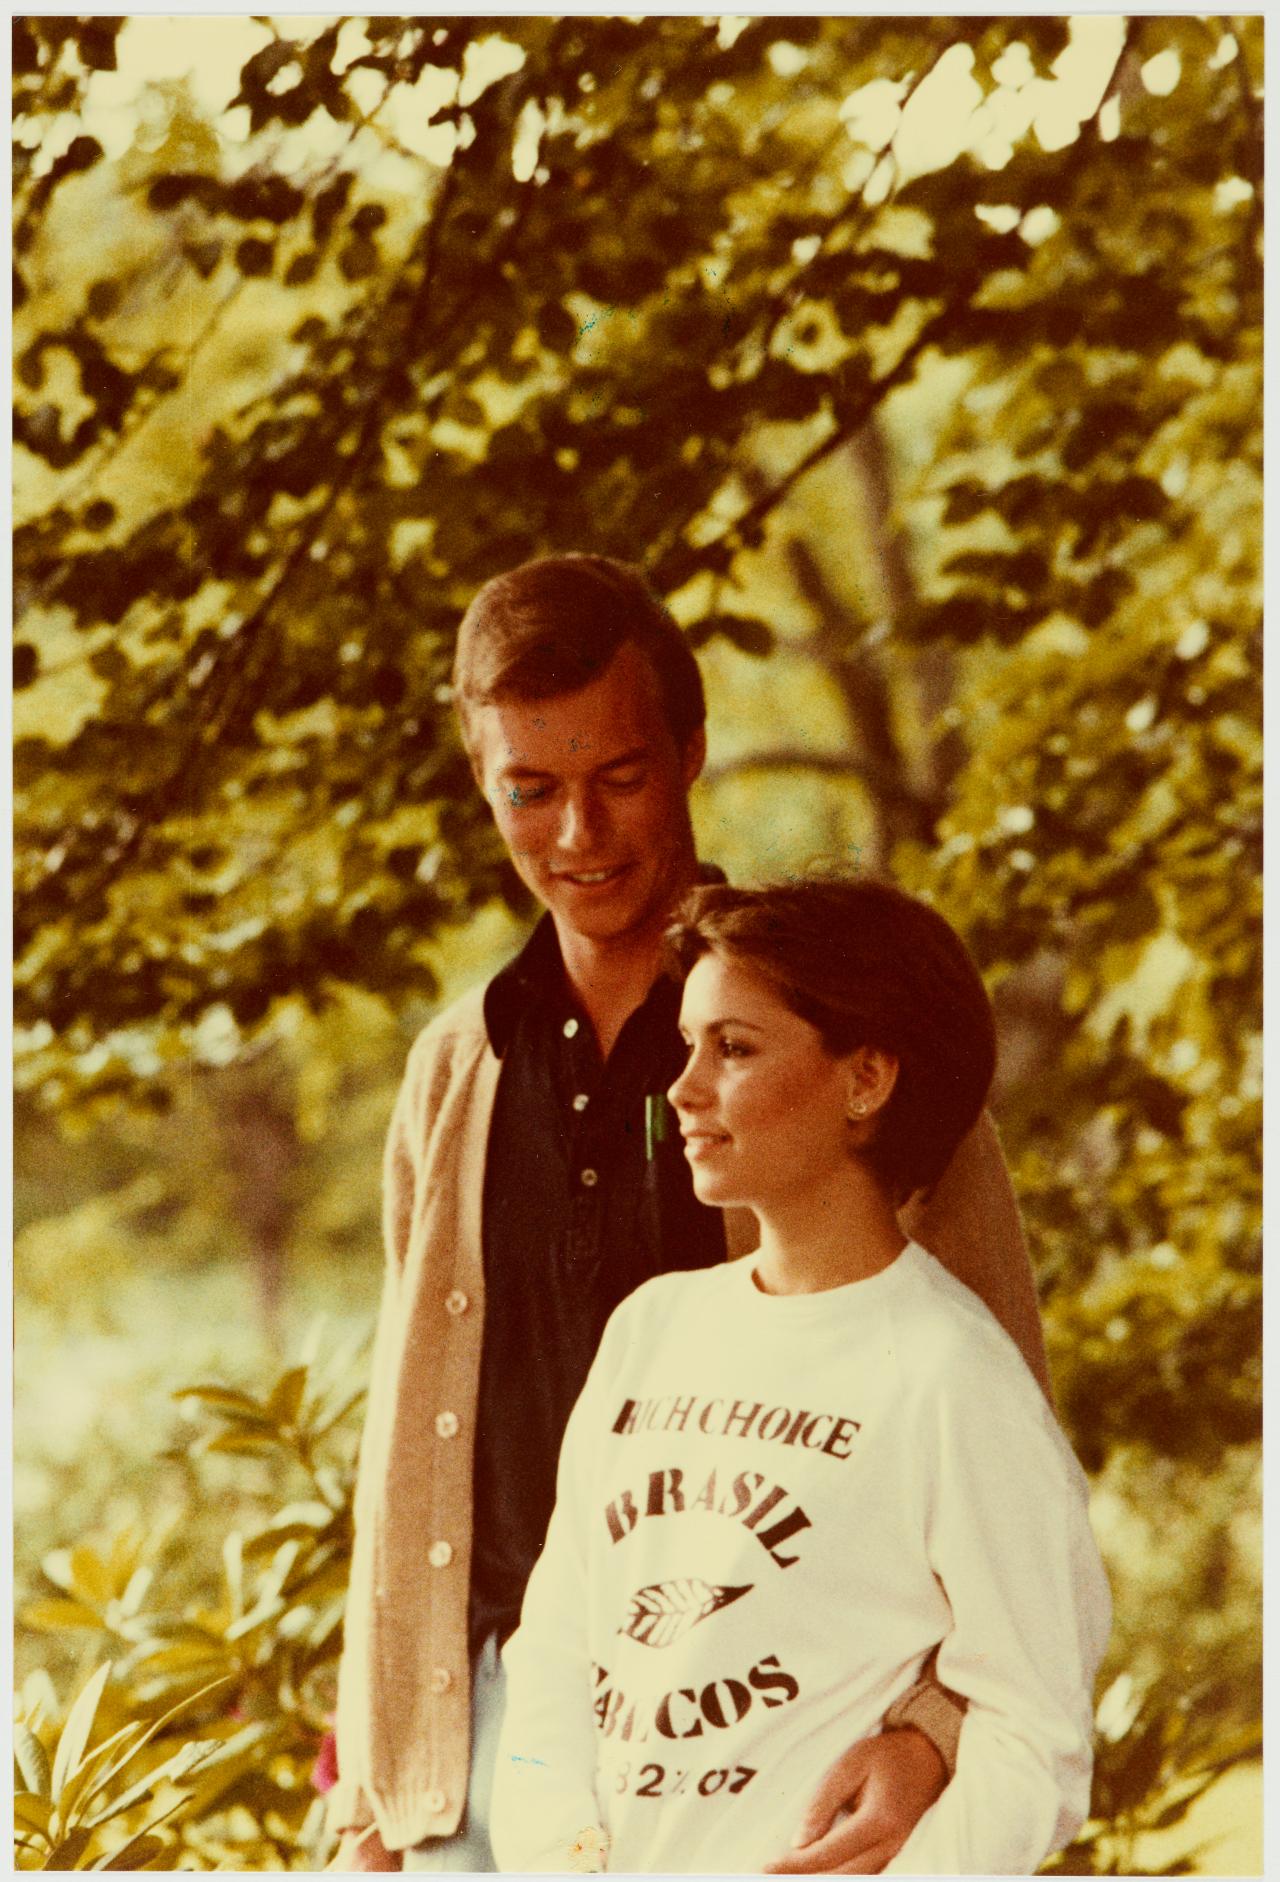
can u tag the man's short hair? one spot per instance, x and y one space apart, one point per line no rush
552 626
866 965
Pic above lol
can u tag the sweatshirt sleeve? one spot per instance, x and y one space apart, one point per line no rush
1009 1539
545 1815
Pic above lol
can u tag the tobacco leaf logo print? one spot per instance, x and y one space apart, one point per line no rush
666 1610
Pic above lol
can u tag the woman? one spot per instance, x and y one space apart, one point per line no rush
788 1480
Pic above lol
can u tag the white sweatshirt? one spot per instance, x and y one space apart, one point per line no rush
769 1510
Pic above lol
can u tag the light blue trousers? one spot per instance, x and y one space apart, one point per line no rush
469 1852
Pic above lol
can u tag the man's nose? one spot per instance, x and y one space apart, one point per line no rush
579 822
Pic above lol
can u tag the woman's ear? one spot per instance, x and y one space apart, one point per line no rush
871 1079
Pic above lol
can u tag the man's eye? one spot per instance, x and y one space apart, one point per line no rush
519 794
625 780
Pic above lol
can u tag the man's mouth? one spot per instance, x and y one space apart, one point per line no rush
590 878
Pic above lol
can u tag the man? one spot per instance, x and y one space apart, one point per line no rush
531 1182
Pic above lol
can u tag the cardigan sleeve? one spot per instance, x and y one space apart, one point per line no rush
969 1220
347 1806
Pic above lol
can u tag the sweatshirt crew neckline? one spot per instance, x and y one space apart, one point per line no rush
848 1297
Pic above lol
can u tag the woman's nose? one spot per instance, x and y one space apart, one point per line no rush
686 1092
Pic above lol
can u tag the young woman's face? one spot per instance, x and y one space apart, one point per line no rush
762 1104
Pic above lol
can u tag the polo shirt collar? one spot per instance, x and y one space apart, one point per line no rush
537 974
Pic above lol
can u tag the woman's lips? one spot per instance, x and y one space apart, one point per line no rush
703 1143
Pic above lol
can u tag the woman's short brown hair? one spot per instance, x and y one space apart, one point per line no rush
867 965
552 626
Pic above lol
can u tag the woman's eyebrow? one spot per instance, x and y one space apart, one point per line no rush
721 1025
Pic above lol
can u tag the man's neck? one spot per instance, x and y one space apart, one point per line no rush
611 978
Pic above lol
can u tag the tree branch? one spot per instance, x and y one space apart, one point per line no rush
675 569
823 764
249 649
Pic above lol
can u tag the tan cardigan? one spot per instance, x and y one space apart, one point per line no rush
404 1725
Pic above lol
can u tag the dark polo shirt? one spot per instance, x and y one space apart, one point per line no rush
586 1194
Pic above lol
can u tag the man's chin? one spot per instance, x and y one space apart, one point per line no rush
603 916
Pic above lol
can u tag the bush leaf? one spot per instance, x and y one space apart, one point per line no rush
75 1733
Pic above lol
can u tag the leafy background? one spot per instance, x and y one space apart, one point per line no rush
919 361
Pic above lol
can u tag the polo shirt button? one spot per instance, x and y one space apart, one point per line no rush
441 1679
456 1302
435 1802
581 1102
447 1425
571 1029
440 1554
589 1179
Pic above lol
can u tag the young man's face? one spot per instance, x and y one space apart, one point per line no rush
590 794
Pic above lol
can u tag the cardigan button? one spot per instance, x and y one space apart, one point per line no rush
447 1425
456 1302
435 1802
441 1679
440 1554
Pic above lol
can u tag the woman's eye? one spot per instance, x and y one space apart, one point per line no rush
734 1049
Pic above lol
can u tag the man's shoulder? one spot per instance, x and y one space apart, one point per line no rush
454 1037
463 1018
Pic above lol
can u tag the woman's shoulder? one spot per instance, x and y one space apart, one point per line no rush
955 1339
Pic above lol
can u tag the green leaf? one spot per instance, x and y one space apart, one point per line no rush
191 1756
1174 1812
51 1616
89 1577
67 1851
79 1724
267 1541
112 1753
222 1398
139 1853
266 1610
33 1811
32 1760
156 1726
751 636
286 1398
242 1444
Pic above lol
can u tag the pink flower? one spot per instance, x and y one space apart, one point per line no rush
324 1773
